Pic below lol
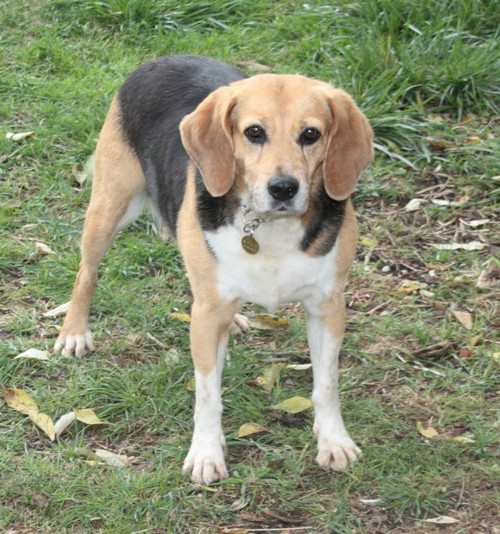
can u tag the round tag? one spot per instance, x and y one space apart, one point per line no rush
250 244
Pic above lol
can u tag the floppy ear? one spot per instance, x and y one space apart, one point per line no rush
207 137
349 150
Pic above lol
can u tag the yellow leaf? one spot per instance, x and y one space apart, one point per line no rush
269 322
19 400
294 405
368 241
410 286
191 384
88 417
183 317
270 376
250 428
427 432
44 422
464 438
464 318
18 136
116 460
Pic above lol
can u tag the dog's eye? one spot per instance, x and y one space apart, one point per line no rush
309 136
256 134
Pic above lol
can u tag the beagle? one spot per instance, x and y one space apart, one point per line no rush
253 177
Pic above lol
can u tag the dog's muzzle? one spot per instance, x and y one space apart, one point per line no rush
283 187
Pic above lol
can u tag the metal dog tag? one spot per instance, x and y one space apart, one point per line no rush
249 244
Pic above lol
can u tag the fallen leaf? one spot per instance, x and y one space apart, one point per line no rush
473 245
183 317
414 204
426 432
464 438
115 460
44 249
472 139
88 417
34 354
63 422
368 241
299 366
475 223
191 384
19 400
18 136
263 321
442 520
370 502
464 353
248 429
56 312
496 356
452 203
44 422
270 376
294 405
410 286
464 318
473 341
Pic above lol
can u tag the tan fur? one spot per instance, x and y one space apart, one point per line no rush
210 318
213 134
117 179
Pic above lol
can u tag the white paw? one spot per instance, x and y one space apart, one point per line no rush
240 324
336 452
206 462
78 345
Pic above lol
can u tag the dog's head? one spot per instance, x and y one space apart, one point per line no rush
278 136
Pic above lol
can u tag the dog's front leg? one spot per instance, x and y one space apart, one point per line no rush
325 329
209 335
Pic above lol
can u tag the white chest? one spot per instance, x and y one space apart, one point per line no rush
280 272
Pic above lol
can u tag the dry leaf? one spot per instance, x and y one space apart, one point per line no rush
299 366
442 520
44 249
34 354
270 376
63 422
56 312
19 400
427 432
464 438
44 422
453 203
473 245
410 286
250 428
18 136
294 405
116 460
475 223
414 204
263 321
496 356
464 318
183 317
88 417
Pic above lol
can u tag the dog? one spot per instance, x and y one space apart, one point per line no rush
253 176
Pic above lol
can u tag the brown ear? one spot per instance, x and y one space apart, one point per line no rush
207 137
350 149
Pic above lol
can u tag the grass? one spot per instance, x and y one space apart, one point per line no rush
426 75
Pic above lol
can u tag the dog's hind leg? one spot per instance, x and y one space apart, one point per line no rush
118 196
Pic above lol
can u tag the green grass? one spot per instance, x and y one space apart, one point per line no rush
425 73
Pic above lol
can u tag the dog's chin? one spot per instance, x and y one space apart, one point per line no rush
278 210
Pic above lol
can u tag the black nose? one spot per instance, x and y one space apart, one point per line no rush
283 187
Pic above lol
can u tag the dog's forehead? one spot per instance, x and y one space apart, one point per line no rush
289 96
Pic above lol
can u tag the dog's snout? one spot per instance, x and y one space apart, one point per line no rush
283 187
